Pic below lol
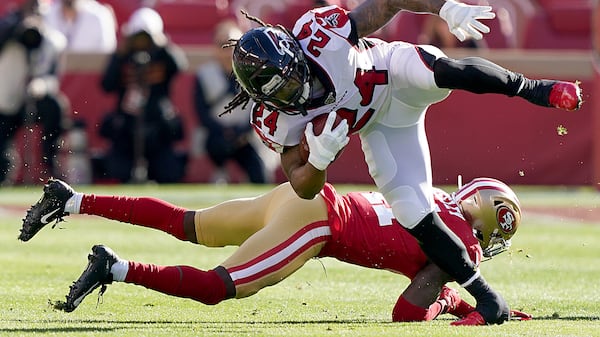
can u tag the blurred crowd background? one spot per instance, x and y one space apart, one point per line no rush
130 91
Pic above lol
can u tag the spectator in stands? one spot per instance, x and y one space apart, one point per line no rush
229 136
145 125
89 26
30 57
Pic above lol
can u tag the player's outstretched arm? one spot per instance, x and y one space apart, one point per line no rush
374 14
463 19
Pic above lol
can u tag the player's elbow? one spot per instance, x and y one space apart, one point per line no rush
306 180
308 184
306 192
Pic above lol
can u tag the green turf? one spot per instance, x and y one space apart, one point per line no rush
552 272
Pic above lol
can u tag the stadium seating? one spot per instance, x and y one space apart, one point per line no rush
191 22
288 17
559 25
540 33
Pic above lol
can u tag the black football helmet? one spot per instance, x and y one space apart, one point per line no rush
270 66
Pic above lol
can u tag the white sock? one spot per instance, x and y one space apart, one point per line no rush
119 270
74 203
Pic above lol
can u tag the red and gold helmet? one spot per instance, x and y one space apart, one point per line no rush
493 210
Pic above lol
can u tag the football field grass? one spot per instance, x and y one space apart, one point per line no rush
552 272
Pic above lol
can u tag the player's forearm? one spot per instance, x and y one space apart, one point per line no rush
307 181
374 14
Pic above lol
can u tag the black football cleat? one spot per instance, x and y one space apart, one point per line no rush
50 207
96 274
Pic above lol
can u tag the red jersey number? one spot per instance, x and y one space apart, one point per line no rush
269 122
366 80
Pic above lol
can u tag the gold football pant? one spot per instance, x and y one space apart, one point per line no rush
276 232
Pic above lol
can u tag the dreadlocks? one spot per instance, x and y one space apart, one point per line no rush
242 98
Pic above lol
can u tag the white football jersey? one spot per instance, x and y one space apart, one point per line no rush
383 89
354 74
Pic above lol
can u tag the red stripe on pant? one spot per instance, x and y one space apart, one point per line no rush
297 244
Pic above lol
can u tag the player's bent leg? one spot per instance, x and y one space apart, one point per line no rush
412 78
478 75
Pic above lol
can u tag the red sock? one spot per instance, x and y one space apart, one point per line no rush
181 281
404 311
462 309
143 211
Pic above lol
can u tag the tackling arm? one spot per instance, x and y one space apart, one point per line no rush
427 297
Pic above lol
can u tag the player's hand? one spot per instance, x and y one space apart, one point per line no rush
324 147
37 88
463 19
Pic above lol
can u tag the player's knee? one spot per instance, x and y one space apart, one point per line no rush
408 213
430 54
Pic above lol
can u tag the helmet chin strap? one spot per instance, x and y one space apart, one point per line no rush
301 108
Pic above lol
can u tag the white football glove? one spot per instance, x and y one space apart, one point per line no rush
463 19
324 147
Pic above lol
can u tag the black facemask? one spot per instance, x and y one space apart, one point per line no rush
31 38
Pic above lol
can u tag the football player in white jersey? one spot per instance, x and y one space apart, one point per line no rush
327 65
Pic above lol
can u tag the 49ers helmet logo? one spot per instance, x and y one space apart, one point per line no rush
506 219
